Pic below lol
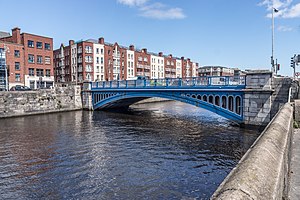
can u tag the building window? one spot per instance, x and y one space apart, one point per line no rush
31 71
30 43
88 49
47 72
18 78
39 45
30 58
39 59
102 51
17 53
32 84
79 49
47 60
40 72
17 66
88 59
47 46
97 60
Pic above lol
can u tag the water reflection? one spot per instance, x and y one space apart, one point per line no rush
156 151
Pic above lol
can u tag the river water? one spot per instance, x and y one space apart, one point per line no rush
164 150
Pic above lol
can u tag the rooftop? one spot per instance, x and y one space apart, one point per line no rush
4 34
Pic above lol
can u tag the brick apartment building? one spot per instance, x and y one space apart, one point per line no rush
97 60
28 59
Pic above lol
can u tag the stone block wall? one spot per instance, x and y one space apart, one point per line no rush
264 96
19 103
280 96
259 80
257 107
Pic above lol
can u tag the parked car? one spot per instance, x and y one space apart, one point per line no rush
20 88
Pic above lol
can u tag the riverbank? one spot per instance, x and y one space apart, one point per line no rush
22 103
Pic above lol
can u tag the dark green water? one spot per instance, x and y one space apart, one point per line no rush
154 151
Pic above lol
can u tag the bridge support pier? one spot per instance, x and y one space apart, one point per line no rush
263 97
87 100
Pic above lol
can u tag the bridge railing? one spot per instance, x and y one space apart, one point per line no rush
171 82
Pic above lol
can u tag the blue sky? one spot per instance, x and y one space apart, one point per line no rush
232 33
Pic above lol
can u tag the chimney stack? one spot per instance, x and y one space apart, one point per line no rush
101 40
16 35
144 50
71 42
131 47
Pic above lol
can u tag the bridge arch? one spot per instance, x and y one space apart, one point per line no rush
211 102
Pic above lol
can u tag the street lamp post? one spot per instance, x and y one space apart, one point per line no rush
272 57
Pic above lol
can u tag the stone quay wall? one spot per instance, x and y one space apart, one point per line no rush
262 173
21 103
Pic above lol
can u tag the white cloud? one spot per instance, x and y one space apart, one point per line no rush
132 2
278 4
284 7
161 11
155 10
293 12
284 28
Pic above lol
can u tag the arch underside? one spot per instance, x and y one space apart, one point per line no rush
219 106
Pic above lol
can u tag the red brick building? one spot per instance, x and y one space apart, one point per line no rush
170 66
29 59
96 60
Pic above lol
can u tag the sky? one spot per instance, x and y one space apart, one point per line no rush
231 33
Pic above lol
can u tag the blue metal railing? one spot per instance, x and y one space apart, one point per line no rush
169 82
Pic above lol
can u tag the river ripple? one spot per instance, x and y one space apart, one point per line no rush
154 151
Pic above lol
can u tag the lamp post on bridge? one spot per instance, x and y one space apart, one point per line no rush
272 56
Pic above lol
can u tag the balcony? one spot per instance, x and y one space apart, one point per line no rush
140 67
140 73
116 55
147 67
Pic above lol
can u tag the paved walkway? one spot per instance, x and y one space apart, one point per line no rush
294 191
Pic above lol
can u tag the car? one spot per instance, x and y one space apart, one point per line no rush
20 88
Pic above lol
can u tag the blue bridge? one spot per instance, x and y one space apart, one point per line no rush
220 95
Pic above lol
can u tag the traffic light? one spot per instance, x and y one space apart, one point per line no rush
292 62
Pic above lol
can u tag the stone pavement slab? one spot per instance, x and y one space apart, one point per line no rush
294 187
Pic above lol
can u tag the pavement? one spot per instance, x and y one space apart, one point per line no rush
294 187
